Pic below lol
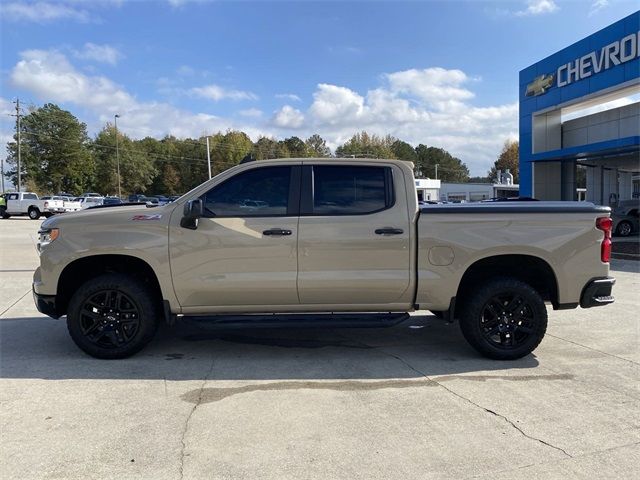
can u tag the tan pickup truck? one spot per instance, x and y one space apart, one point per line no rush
322 241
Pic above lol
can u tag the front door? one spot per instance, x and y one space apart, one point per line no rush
354 243
244 251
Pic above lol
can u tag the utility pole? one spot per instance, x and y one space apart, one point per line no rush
115 123
18 132
437 170
209 158
2 172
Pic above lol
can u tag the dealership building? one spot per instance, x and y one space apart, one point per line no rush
580 116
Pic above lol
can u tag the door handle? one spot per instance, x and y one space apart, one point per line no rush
389 231
276 232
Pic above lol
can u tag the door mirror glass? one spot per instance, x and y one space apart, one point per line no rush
192 212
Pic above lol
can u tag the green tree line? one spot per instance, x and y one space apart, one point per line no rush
58 155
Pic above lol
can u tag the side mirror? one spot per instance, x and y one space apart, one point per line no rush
192 212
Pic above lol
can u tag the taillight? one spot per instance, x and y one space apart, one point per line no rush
46 204
605 224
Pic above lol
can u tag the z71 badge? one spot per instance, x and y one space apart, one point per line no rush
156 216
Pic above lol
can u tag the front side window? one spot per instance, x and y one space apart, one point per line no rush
256 193
350 190
13 196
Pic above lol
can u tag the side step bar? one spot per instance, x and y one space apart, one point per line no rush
296 320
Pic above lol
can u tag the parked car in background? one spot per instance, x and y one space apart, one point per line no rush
87 202
71 204
57 209
625 220
112 201
136 198
162 200
28 203
91 194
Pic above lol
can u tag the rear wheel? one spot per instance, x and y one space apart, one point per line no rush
34 213
624 229
112 316
505 319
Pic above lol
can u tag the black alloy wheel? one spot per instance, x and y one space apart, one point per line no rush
113 316
504 319
507 320
109 319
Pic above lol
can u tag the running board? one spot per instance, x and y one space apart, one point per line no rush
296 320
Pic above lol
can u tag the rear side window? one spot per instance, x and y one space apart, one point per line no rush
30 196
255 193
351 190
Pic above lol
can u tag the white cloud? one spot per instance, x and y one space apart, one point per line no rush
217 93
99 53
538 7
43 12
336 105
598 5
251 112
436 86
49 75
288 117
288 96
430 106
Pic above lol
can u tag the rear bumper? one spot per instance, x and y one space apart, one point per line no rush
46 304
597 292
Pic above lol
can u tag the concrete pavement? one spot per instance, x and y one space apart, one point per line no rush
413 401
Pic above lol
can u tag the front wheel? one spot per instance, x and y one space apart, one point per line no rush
505 319
112 316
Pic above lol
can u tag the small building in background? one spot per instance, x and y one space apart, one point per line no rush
435 190
428 189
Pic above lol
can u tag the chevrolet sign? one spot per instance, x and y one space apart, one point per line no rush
616 53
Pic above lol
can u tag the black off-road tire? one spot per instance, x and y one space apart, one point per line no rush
3 213
97 329
478 323
34 213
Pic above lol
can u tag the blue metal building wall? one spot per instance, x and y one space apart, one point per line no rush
605 79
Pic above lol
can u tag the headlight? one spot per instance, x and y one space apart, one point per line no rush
46 236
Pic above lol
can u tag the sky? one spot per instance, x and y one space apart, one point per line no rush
443 74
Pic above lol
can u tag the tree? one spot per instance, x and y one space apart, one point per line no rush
365 145
508 159
54 152
404 151
229 149
317 146
450 168
296 147
136 167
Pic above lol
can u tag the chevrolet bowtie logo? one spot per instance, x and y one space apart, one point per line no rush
540 85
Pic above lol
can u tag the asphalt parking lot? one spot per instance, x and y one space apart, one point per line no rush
412 402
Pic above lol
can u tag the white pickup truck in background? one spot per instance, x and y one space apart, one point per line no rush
28 203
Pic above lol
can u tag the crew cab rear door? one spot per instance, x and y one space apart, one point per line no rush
244 250
354 244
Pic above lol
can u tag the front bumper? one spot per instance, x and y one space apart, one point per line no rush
46 304
597 292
